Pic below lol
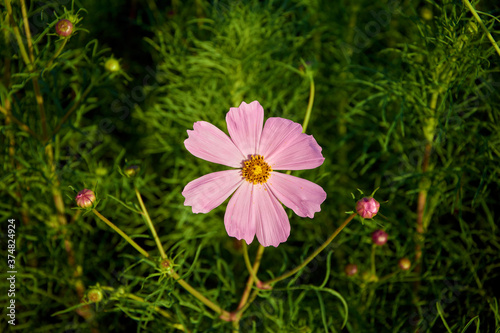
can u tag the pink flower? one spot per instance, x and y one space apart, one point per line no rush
259 192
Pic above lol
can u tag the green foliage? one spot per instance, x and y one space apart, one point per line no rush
405 99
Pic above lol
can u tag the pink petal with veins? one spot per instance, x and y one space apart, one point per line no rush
209 191
211 144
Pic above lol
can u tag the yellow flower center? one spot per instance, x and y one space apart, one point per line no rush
256 170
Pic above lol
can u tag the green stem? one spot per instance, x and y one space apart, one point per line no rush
121 233
27 30
252 297
478 19
199 296
252 278
373 260
17 34
36 86
156 308
58 52
150 224
19 123
247 262
70 111
315 253
310 104
224 314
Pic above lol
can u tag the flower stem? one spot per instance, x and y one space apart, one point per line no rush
247 261
156 308
478 19
253 273
17 34
19 123
58 52
31 66
150 224
173 274
72 109
315 253
224 314
310 104
121 233
374 272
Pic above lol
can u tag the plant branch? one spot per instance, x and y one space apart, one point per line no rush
223 314
36 86
150 224
310 103
17 34
173 274
71 110
121 233
19 123
253 274
247 262
478 19
315 253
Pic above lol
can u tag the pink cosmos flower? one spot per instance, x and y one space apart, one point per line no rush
256 206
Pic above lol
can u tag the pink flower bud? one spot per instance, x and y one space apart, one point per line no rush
367 207
351 269
64 28
379 237
404 264
85 198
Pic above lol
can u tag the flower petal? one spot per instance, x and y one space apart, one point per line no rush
254 210
209 191
273 226
244 125
285 147
300 195
211 144
240 214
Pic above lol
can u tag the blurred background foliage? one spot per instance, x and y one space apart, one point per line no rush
406 99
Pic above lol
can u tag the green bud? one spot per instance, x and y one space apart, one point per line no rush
112 65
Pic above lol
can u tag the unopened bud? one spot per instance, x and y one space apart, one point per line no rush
64 28
369 277
112 65
94 295
132 170
351 269
165 263
404 264
426 13
379 237
367 207
85 198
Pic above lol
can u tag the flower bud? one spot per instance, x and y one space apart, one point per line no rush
367 207
426 13
369 277
404 264
379 237
94 295
132 170
112 65
64 28
351 269
85 198
165 263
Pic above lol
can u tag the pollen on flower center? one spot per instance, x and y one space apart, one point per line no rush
256 170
